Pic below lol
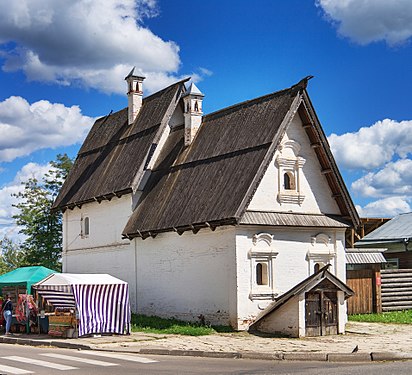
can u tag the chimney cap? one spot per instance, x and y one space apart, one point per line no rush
193 90
131 74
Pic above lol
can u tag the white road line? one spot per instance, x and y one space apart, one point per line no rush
13 370
123 357
38 362
76 359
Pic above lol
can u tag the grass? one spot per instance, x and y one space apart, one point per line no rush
154 324
396 317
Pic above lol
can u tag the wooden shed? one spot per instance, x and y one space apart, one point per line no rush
314 307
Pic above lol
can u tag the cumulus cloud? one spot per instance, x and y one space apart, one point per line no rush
395 178
386 207
25 127
367 21
382 154
31 170
89 43
372 147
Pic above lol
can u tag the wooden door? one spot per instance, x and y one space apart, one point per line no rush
321 313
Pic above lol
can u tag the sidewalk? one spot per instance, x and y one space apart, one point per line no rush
374 341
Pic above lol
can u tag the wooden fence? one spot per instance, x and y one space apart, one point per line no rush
366 285
396 289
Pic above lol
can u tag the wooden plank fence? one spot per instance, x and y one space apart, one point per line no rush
396 289
363 283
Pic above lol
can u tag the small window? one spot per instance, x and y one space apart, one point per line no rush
85 226
317 267
196 106
262 274
289 181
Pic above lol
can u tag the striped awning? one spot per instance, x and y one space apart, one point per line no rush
364 256
58 299
101 300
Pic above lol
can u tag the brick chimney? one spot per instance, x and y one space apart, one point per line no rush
134 94
192 100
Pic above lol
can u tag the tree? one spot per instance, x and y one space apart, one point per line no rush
10 255
42 229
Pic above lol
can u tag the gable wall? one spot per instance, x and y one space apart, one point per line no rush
291 265
318 197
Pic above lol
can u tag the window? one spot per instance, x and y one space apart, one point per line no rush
318 266
290 165
262 256
85 226
289 181
262 274
320 253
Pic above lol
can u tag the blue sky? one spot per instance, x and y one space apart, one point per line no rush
62 65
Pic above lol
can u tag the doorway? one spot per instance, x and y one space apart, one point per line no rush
321 313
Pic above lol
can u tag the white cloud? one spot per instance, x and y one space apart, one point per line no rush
381 152
394 179
25 127
90 43
7 226
372 147
367 21
386 207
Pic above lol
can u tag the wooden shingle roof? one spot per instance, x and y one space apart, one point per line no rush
114 152
211 182
206 184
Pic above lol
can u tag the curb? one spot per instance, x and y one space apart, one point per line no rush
277 356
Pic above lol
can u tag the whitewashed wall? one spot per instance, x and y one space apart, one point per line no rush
189 275
103 251
318 197
290 266
286 320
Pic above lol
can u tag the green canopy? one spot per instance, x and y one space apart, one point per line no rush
25 276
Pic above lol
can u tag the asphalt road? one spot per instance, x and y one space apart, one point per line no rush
15 359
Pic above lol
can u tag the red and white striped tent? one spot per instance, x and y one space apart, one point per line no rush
101 300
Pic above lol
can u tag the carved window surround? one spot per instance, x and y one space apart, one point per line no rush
289 166
263 253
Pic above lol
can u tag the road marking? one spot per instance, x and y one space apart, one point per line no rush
38 362
123 357
76 359
13 370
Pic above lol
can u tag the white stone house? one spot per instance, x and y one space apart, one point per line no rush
212 215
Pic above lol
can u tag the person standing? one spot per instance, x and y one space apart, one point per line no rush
7 308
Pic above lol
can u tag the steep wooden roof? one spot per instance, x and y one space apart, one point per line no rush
207 184
114 152
211 182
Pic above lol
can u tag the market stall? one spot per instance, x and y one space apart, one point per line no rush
87 303
18 284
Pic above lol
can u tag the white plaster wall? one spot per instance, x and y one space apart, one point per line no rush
318 197
290 266
284 321
107 221
189 275
103 251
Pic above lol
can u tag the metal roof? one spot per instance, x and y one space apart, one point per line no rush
291 219
395 230
365 256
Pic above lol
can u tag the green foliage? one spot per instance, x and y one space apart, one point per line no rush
154 324
10 255
396 317
41 228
